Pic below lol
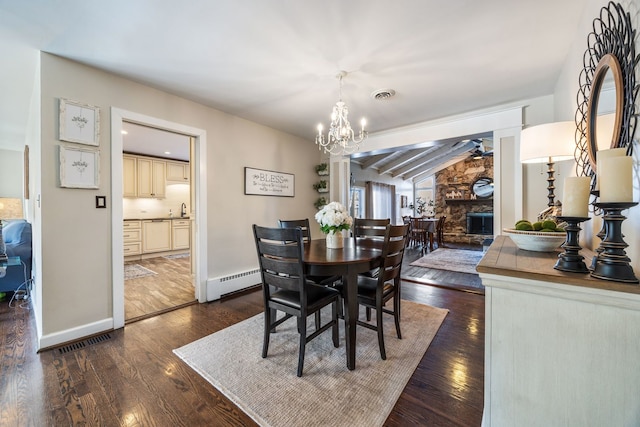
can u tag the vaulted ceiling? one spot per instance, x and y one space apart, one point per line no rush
275 62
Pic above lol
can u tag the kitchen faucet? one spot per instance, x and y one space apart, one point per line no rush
183 211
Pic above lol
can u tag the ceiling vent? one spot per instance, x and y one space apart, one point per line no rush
383 94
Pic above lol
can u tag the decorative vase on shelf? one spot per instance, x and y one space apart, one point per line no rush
335 240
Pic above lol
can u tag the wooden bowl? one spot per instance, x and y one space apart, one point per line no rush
536 241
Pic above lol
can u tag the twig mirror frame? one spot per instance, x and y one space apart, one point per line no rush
611 47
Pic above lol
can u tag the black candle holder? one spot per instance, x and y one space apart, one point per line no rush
612 262
599 249
571 260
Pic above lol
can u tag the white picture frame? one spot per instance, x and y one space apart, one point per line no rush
79 167
79 123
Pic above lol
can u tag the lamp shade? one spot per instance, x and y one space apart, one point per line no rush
548 142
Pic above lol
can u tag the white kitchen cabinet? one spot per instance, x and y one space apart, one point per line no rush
130 176
178 171
132 236
156 235
151 177
180 234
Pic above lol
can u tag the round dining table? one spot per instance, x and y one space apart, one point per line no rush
348 262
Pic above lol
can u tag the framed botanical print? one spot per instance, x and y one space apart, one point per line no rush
79 168
79 123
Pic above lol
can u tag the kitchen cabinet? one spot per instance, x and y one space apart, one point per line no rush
156 235
180 234
151 177
132 236
178 171
130 176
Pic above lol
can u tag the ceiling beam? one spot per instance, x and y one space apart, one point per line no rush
372 160
434 161
404 158
429 157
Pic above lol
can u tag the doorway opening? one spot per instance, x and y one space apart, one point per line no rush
157 200
169 259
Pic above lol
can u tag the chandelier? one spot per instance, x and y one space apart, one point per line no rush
340 138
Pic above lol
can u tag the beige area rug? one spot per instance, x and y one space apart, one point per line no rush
135 271
327 394
460 260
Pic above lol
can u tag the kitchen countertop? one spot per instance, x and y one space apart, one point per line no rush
155 219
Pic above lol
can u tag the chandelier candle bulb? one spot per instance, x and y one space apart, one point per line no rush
575 201
616 179
606 154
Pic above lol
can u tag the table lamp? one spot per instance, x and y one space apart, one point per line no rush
548 143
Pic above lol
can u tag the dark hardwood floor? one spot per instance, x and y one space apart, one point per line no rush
441 278
133 378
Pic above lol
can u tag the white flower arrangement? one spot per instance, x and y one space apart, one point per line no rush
334 217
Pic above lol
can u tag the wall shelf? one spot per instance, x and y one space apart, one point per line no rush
470 201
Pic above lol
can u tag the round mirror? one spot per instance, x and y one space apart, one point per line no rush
482 187
604 126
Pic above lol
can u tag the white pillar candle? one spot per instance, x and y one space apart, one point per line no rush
605 154
575 198
616 179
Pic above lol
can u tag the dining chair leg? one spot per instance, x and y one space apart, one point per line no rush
303 342
318 320
267 332
368 311
273 313
396 315
379 313
335 328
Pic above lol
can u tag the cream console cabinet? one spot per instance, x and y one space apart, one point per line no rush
156 235
561 349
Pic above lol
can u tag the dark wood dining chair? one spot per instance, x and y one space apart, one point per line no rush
440 231
285 288
306 236
374 293
419 233
369 228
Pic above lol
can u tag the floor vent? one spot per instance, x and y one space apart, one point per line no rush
82 344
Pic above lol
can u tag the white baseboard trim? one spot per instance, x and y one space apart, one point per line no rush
73 334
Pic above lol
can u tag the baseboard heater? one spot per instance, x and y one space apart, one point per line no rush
220 286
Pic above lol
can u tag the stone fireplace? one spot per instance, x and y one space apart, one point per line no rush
455 199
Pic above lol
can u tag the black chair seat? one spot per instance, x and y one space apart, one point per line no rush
367 288
316 294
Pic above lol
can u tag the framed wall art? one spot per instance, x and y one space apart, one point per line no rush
79 168
268 183
79 123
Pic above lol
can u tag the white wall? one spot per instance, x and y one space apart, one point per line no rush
11 178
76 244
